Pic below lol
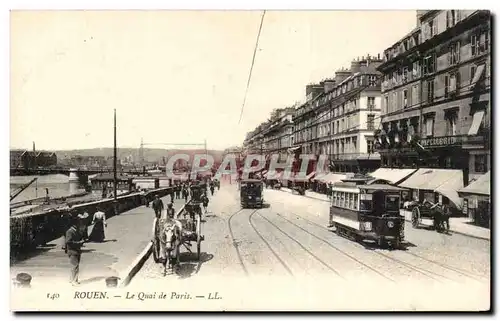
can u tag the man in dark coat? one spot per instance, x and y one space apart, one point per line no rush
158 206
74 242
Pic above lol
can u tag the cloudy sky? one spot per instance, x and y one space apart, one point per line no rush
174 76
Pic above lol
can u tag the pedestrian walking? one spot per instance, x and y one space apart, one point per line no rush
185 194
98 231
446 217
170 211
178 192
204 200
74 243
158 206
212 189
171 197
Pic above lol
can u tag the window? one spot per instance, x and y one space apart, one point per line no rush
369 146
429 64
414 95
429 126
355 201
394 102
432 29
392 203
451 123
405 74
454 54
452 17
416 69
354 144
472 72
450 84
370 125
338 126
343 125
480 163
386 105
405 98
474 45
371 103
372 80
430 90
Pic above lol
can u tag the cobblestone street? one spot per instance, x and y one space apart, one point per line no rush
288 238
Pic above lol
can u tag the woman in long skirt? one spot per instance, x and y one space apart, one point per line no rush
99 222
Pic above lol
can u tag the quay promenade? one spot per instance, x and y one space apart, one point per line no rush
127 235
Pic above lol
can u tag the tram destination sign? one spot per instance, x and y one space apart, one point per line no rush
444 141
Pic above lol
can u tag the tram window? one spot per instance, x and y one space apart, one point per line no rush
355 201
350 200
392 203
342 199
334 197
365 205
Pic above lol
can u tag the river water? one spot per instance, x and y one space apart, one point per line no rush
58 186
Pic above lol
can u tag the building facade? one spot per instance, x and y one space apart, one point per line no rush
277 137
340 116
436 104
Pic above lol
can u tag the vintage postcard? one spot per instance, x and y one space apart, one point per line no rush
250 160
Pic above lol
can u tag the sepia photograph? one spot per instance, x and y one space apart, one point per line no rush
250 160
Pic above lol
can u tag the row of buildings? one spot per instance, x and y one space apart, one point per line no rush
31 159
424 103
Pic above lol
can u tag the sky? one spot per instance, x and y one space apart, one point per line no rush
174 77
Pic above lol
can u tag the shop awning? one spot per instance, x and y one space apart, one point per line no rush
392 175
332 178
319 176
301 178
476 122
444 181
293 149
481 186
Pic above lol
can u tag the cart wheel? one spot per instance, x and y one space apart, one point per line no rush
198 239
415 217
156 251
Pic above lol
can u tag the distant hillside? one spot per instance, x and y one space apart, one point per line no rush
150 154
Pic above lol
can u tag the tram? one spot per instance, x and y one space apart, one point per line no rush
360 210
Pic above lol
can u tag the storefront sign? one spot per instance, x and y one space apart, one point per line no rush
450 140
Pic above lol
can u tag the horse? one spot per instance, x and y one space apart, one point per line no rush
170 242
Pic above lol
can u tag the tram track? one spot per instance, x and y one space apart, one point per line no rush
233 241
287 268
430 274
326 265
339 250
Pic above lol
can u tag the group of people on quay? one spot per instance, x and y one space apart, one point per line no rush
77 233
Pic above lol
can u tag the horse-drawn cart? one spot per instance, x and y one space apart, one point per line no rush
428 211
171 234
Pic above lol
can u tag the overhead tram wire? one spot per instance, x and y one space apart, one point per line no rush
251 66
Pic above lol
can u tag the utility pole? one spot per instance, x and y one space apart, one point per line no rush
114 154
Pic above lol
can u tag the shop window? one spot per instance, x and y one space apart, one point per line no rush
405 98
480 163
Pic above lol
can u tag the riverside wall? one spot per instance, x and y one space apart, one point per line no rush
28 231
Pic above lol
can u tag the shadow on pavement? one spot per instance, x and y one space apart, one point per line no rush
189 265
20 256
